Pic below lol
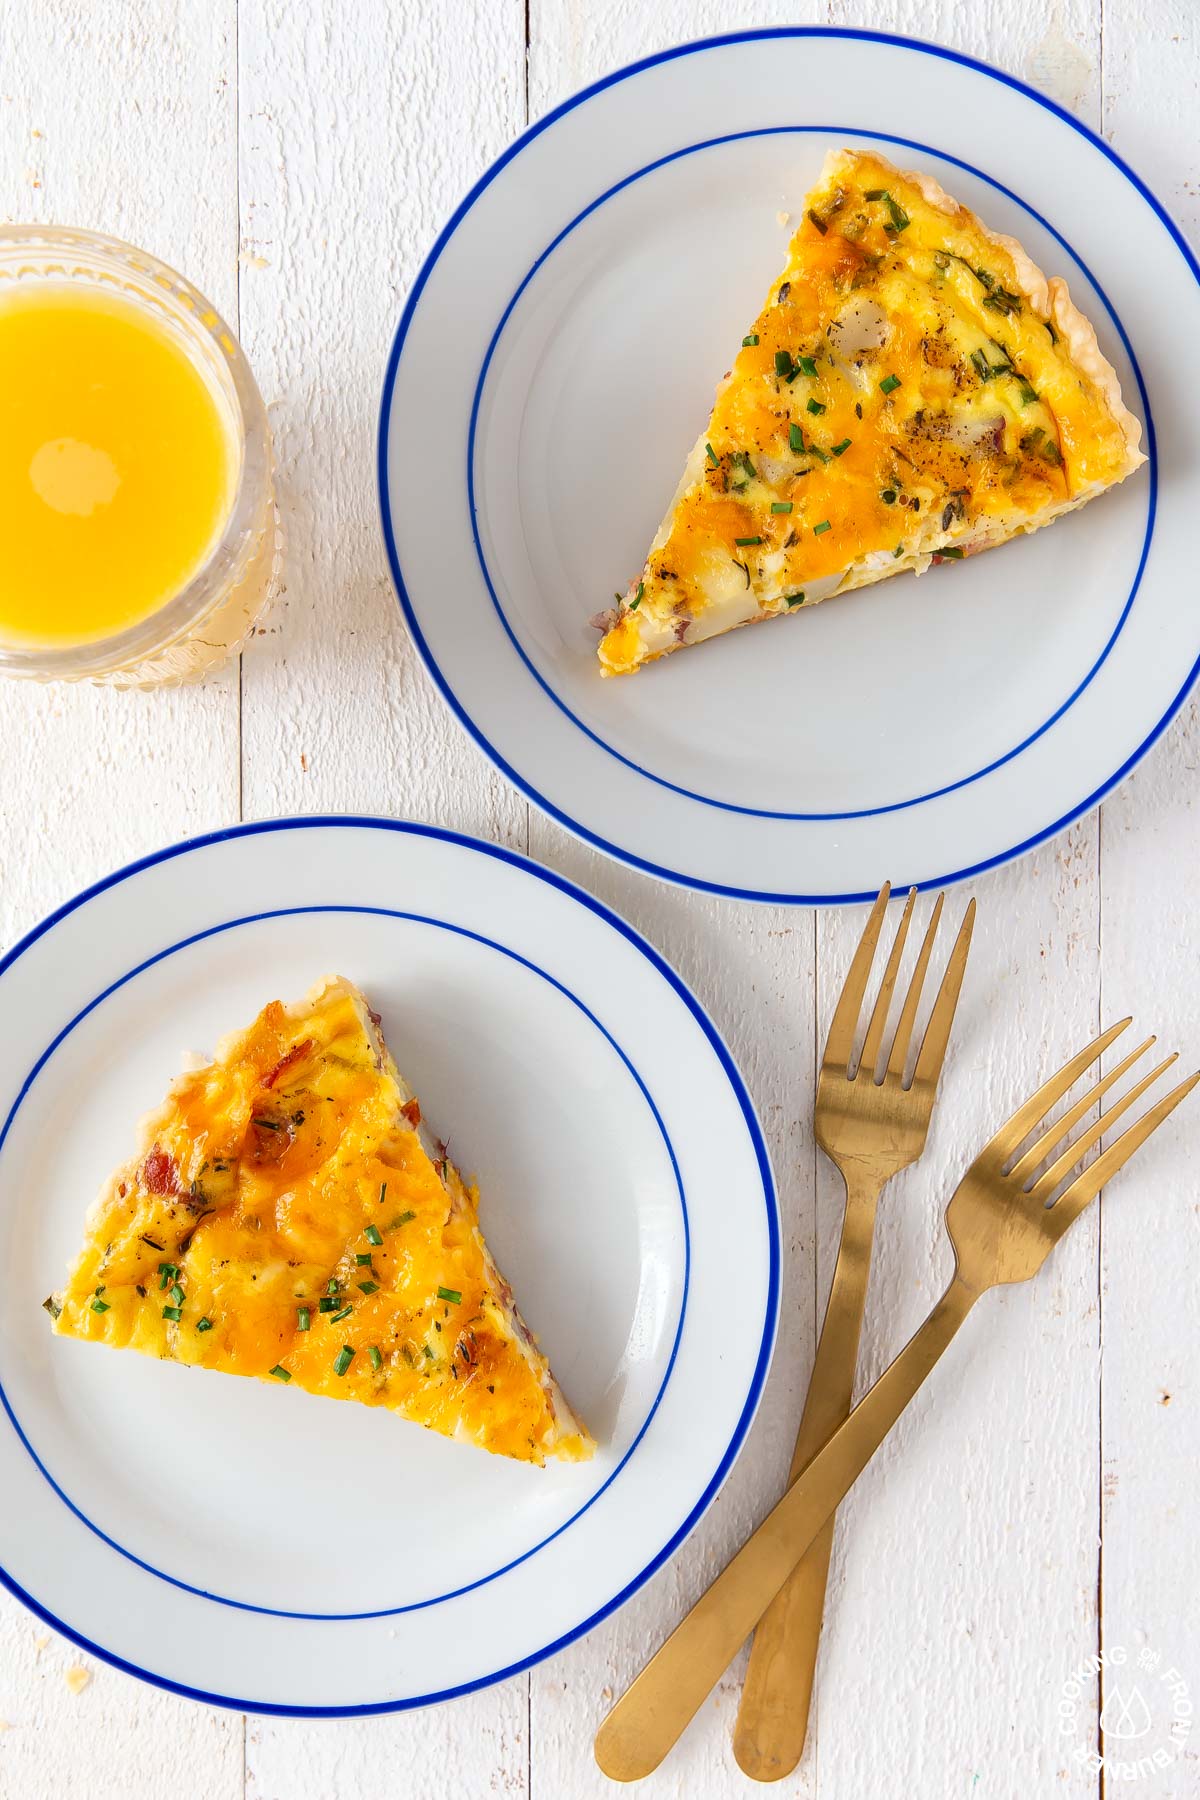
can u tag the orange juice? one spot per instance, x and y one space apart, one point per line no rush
118 464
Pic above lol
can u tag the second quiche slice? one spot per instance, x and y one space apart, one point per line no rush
288 1216
914 390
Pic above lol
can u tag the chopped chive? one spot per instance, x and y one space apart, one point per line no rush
807 365
368 1287
841 449
400 1219
900 219
781 506
428 1352
747 465
451 1294
749 340
784 365
177 1294
816 406
342 1361
372 1235
375 1355
204 1325
888 496
169 1271
796 439
1001 301
1029 395
819 222
334 1285
741 541
172 1312
1041 445
363 1258
279 1372
950 550
796 599
344 1314
326 1305
889 384
898 551
823 526
821 455
713 458
637 598
303 1319
99 1305
980 364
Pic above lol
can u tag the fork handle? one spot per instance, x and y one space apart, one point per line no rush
772 1721
650 1716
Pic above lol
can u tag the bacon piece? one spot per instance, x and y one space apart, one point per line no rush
412 1112
296 1054
269 1138
159 1172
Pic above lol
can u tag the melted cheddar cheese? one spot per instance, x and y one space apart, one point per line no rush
914 390
288 1217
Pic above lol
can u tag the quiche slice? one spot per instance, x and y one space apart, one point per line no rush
288 1216
914 390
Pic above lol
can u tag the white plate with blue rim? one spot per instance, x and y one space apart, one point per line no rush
553 365
250 1546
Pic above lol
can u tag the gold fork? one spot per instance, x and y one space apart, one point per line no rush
1002 1226
871 1130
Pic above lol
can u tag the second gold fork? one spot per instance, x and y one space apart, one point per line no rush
870 1130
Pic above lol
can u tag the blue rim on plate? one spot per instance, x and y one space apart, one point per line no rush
575 826
323 821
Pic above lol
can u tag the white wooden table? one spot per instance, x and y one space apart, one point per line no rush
1040 1502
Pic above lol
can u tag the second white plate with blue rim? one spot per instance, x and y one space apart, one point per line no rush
551 369
254 1547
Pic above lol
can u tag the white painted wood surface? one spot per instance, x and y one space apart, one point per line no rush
297 160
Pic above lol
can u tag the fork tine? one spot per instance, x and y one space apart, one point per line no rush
883 1000
1075 1153
1087 1185
1014 1130
840 1041
1055 1133
908 1013
937 1032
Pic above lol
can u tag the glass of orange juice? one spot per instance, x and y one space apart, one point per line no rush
140 535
